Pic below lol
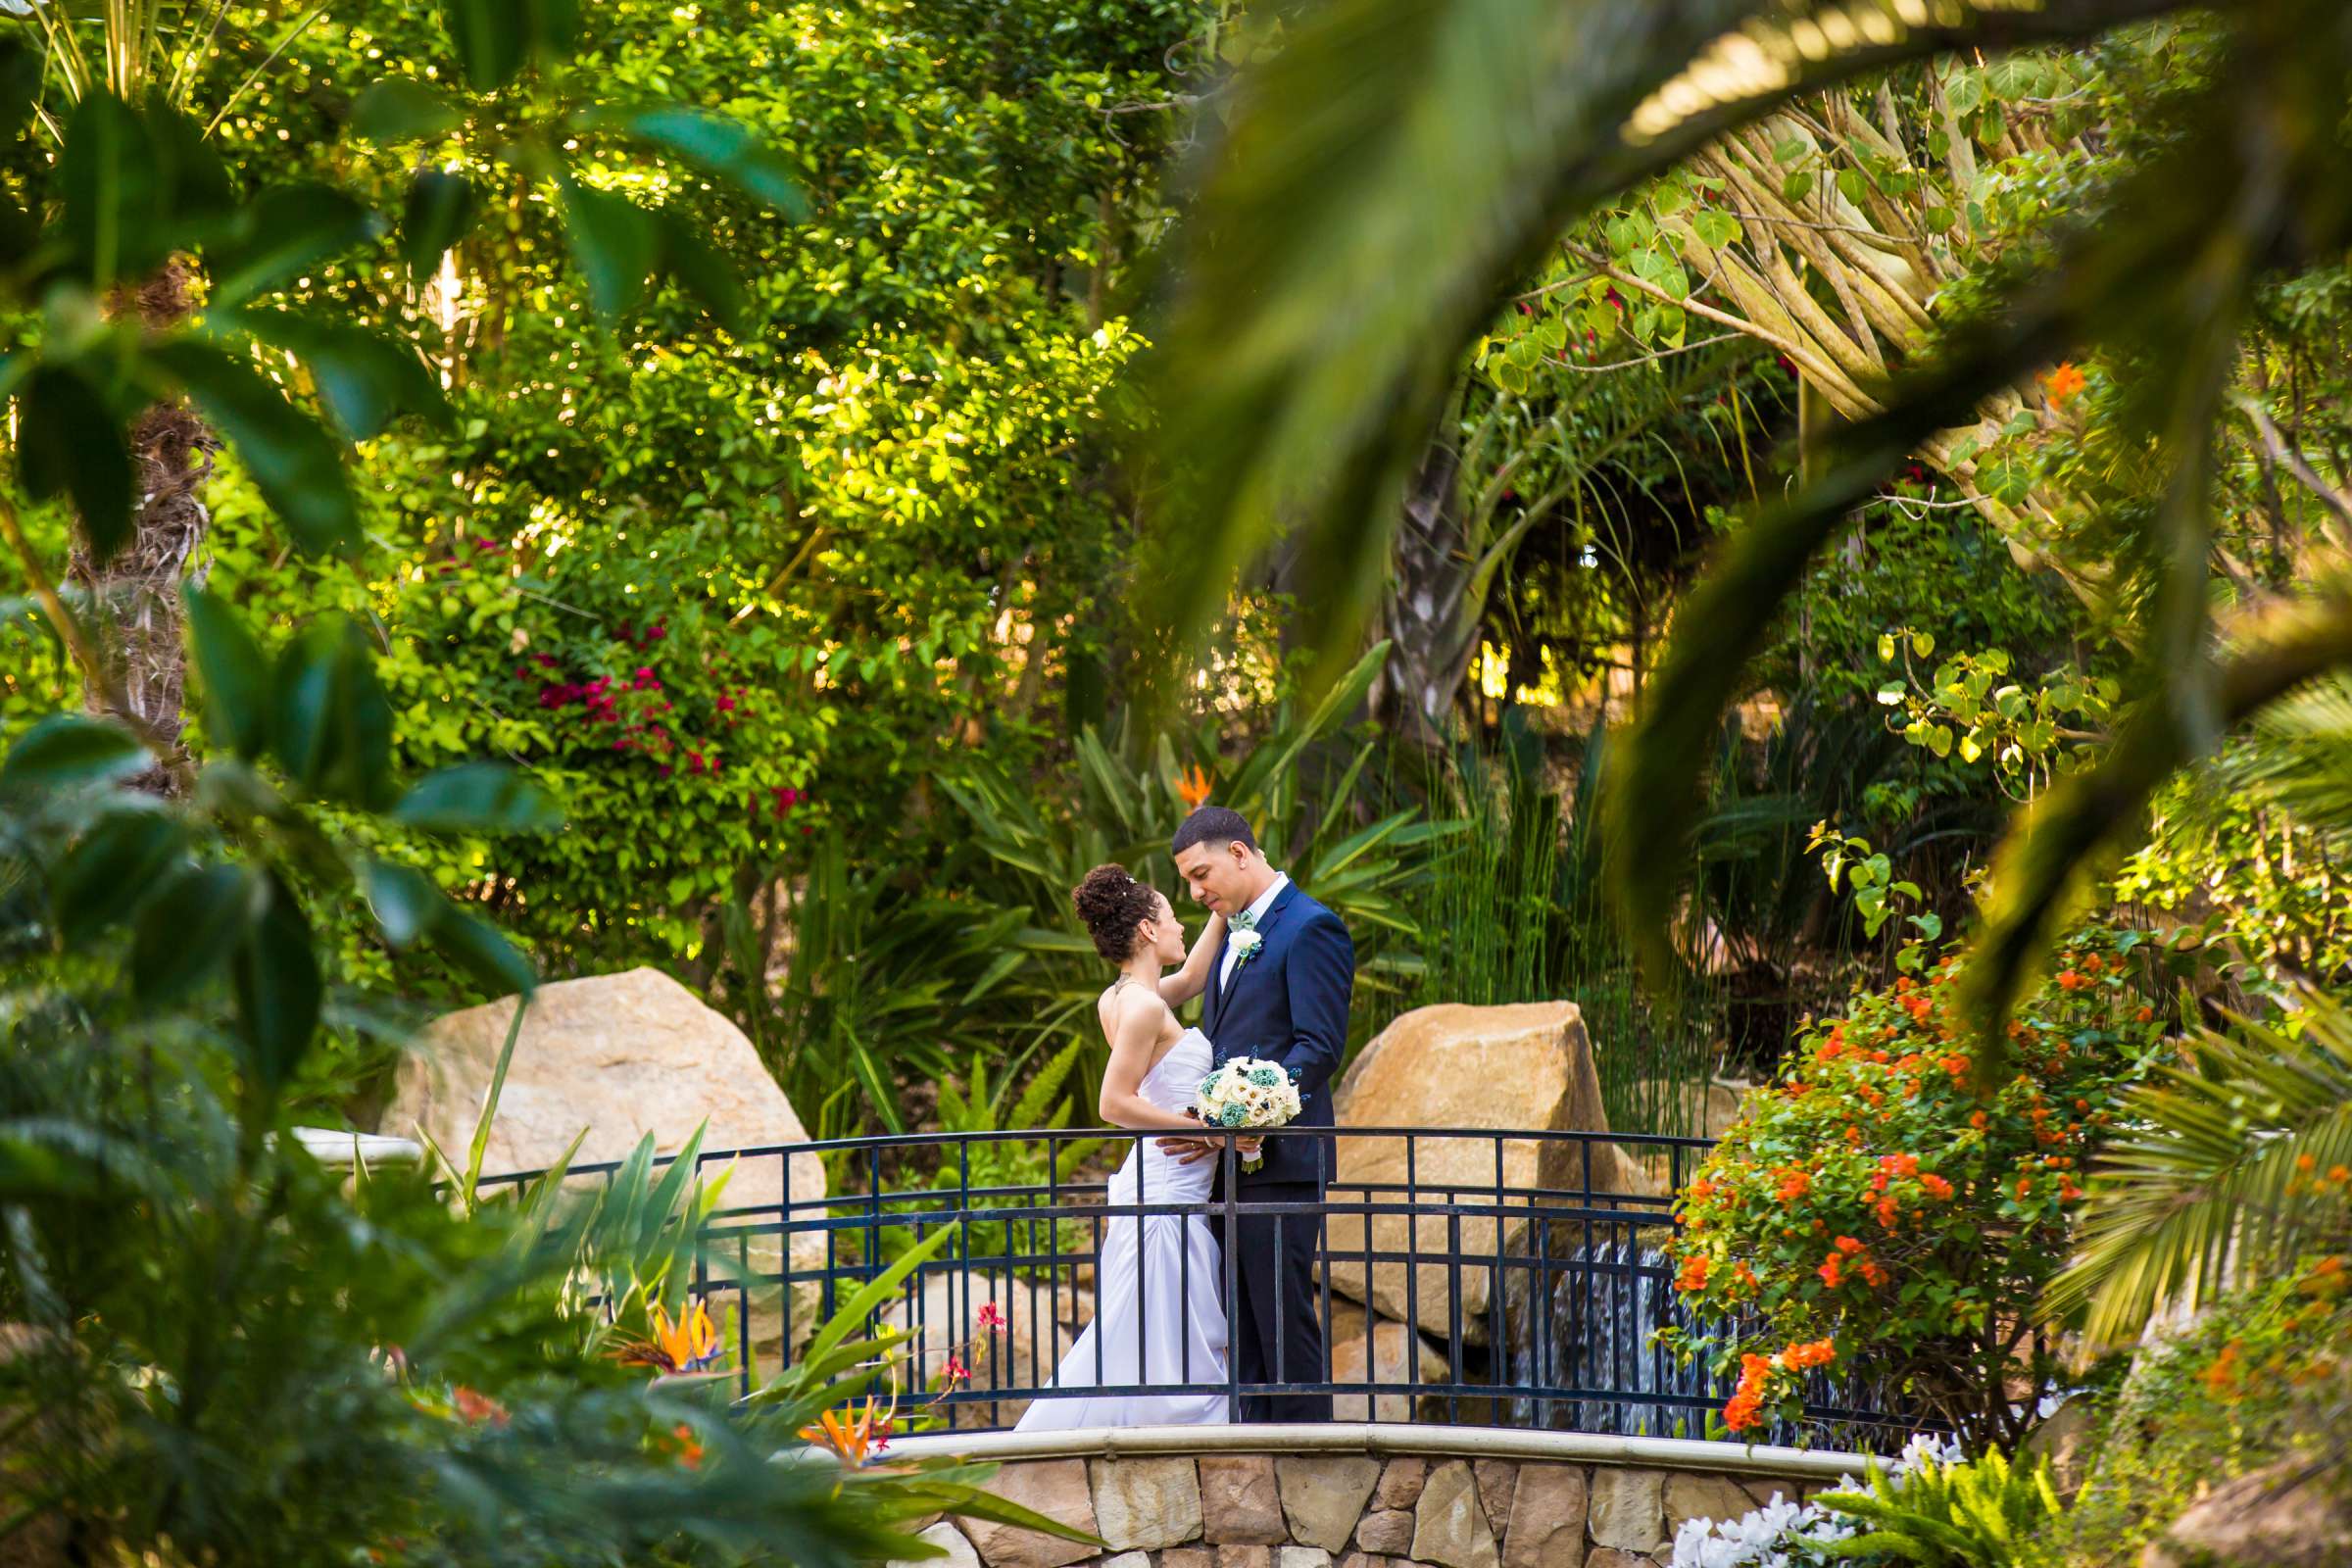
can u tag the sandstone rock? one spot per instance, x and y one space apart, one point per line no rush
1708 1110
1611 1558
960 1552
1527 1066
1388 1532
1129 1560
1695 1495
1547 1518
1188 1557
1040 1325
1241 1504
1301 1558
1146 1504
1761 1490
1362 1559
621 1056
1496 1477
1387 1355
2065 1439
2280 1516
1245 1556
1055 1488
1627 1509
1400 1482
1323 1496
1448 1526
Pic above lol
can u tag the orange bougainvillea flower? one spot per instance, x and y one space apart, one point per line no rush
690 1452
1937 1187
2064 384
1192 787
1693 1276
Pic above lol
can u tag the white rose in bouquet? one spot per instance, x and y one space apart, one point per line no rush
1246 1093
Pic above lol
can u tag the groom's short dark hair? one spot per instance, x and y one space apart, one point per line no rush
1212 824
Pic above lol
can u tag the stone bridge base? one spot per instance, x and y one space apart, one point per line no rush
1375 1496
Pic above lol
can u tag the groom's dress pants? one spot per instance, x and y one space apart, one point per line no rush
1274 1258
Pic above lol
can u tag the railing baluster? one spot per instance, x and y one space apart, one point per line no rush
1582 1357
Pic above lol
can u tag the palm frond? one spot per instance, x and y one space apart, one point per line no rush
2299 756
2222 1176
1396 167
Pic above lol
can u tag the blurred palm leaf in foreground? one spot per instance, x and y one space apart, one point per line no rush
1400 165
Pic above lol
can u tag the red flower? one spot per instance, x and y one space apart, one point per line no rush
991 1320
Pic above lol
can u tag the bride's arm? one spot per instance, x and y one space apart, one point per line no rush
1122 1104
1181 986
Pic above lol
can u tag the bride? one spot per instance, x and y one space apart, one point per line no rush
1159 1313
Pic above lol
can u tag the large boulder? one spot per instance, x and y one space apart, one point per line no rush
1387 1355
1040 1324
1527 1066
2296 1513
614 1058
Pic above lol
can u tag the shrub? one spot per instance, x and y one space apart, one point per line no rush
1876 1212
2261 1378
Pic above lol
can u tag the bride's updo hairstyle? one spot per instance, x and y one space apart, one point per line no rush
1112 903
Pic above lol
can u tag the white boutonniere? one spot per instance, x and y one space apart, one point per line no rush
1245 944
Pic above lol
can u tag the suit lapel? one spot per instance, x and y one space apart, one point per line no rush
1215 1007
1219 993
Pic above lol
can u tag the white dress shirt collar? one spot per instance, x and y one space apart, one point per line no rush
1266 901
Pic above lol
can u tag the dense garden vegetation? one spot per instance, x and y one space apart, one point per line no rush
1841 573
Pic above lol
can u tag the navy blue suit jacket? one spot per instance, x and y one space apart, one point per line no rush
1288 1004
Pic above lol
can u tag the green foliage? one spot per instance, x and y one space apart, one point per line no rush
1877 1206
2230 1165
1983 1512
2258 1379
1302 785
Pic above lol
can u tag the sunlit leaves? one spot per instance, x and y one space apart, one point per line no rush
69 442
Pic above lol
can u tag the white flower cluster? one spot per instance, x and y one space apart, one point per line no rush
1787 1534
1247 1092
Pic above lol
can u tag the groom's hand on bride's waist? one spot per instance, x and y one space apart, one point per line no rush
1188 1148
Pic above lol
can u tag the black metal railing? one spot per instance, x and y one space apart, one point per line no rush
1501 1278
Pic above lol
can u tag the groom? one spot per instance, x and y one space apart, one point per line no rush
1282 998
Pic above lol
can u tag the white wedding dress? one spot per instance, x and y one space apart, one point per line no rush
1159 1299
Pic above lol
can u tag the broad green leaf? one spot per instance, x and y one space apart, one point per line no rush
614 241
116 191
439 210
726 148
109 869
405 901
295 463
477 798
491 37
702 269
71 443
331 723
276 973
476 947
189 929
234 676
403 109
67 748
366 380
284 231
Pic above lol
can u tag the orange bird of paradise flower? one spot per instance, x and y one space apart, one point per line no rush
1192 787
689 1344
857 1438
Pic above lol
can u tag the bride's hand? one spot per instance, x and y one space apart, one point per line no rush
1249 1146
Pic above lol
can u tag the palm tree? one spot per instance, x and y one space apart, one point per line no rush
2236 1160
1400 163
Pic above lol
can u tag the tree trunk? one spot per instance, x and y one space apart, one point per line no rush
135 598
1422 613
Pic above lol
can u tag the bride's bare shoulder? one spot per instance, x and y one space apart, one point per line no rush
1120 1004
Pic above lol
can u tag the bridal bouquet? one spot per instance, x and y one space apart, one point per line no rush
1247 1092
